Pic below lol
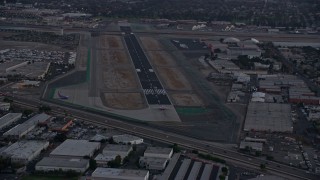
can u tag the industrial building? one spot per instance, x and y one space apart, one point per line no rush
75 148
153 163
127 139
122 150
272 117
64 164
257 146
158 152
299 92
189 169
22 129
103 159
9 118
111 151
224 66
4 106
244 50
24 151
119 174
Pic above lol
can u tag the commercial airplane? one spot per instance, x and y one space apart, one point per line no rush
62 96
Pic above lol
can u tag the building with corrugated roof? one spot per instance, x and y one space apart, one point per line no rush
64 164
24 151
119 174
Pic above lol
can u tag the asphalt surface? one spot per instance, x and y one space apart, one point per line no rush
144 131
150 83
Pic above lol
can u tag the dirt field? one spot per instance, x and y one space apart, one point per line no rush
150 43
114 57
111 42
119 78
124 100
186 100
161 58
174 79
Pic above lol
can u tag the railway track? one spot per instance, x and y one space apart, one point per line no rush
185 142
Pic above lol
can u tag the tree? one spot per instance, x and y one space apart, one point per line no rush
224 170
262 166
8 100
134 147
92 164
176 148
269 157
195 151
111 141
27 112
60 137
44 108
115 163
258 153
222 177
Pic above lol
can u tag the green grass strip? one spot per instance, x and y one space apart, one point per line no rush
191 110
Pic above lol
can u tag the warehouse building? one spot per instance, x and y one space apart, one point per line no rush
118 149
271 117
75 149
22 129
103 159
119 174
111 151
65 164
24 151
127 139
153 163
9 118
158 152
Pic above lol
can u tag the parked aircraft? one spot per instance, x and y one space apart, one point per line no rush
62 96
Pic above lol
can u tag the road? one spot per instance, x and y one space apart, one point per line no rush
230 156
264 36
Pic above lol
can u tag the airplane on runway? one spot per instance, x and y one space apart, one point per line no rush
62 96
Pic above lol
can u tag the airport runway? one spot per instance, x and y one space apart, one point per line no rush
152 88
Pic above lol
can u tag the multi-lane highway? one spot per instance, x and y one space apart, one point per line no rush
147 132
150 83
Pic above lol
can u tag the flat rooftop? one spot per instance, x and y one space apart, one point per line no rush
9 118
78 148
105 157
119 173
27 126
158 150
153 160
268 117
117 147
24 149
63 162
